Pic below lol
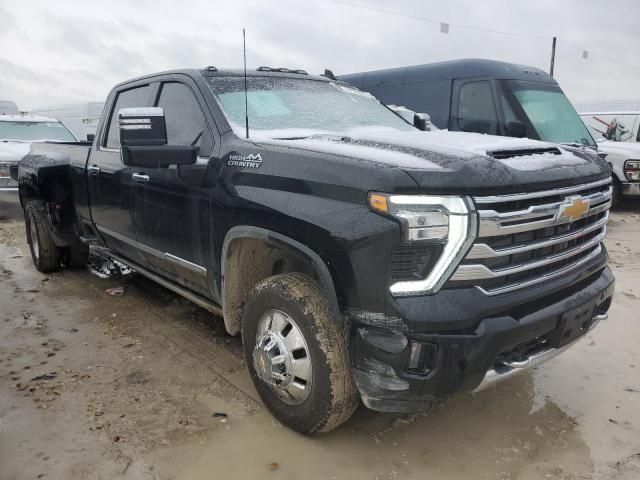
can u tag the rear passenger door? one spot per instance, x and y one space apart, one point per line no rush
112 191
173 206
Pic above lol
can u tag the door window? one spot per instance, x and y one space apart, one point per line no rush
617 128
135 97
476 110
185 121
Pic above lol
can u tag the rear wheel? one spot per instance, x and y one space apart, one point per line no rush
44 252
297 354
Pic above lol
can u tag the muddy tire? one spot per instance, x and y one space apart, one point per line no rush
77 255
44 252
297 354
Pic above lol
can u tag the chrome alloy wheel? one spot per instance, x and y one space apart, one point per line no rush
34 239
281 357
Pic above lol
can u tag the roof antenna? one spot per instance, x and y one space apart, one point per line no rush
246 104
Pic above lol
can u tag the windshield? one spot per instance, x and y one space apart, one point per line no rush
547 109
34 132
292 108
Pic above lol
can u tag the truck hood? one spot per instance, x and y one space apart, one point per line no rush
13 151
458 162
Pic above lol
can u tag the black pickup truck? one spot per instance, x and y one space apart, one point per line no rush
358 256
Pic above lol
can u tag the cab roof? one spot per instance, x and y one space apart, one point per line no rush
464 68
211 71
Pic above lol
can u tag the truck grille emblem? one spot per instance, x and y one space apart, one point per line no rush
574 209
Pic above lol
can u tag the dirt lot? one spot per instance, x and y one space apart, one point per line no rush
145 385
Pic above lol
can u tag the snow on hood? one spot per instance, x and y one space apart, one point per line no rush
481 144
418 150
13 151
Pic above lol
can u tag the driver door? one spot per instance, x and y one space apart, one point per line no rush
174 209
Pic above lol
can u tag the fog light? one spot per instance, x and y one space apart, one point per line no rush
422 357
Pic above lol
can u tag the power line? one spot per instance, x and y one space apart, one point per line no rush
434 21
596 54
585 51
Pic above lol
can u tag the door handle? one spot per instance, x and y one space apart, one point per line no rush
139 177
93 169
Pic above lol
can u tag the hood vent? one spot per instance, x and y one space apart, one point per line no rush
502 154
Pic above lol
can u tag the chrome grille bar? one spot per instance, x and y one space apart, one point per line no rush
482 250
514 237
546 193
547 276
476 272
493 223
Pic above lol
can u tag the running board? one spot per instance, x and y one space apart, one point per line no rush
188 294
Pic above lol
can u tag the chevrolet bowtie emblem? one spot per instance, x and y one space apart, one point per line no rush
574 209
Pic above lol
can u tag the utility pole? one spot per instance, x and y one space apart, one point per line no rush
553 56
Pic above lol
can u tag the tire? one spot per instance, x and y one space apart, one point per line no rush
77 255
294 310
44 252
616 194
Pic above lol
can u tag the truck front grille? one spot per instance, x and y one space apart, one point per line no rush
527 238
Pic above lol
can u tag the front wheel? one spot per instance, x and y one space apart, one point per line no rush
297 354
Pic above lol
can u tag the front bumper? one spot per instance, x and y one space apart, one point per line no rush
9 195
631 190
472 358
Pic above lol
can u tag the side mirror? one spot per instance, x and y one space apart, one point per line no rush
91 137
143 140
422 121
143 126
516 129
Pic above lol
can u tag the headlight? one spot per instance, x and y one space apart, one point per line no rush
632 170
446 220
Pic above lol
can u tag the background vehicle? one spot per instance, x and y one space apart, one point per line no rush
624 159
614 120
483 96
8 107
356 255
81 118
17 132
499 98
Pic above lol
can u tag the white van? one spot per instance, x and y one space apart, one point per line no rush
81 118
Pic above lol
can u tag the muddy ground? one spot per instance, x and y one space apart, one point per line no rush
145 385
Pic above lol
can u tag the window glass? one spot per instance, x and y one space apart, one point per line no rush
550 113
476 110
617 128
136 97
184 119
21 131
281 107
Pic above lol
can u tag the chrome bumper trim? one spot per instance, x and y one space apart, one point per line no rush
493 376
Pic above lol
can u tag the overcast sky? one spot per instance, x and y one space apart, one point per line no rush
68 51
